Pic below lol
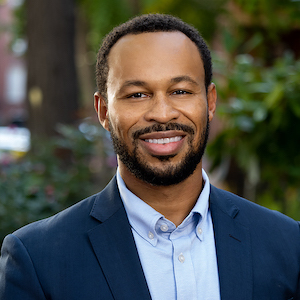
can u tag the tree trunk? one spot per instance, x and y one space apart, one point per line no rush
52 83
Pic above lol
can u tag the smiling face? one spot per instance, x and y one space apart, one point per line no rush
157 107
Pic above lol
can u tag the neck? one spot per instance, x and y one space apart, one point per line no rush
174 201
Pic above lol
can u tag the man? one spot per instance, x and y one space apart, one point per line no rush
158 230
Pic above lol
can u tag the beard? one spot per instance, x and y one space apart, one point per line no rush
172 173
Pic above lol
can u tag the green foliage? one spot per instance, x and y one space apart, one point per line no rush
19 24
264 28
54 175
262 117
275 15
101 16
202 14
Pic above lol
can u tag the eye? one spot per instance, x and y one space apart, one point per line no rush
180 92
137 95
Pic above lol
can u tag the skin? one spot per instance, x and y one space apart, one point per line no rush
157 78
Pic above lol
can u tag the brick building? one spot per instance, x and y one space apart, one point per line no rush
12 69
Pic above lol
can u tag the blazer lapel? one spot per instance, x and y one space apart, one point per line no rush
232 246
114 246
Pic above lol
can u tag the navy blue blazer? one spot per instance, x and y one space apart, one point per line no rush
88 252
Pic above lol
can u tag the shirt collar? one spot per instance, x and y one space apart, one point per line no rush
143 218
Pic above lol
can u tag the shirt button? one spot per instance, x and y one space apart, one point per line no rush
199 230
181 258
164 227
150 235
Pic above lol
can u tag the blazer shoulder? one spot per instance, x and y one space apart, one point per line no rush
73 218
247 210
71 222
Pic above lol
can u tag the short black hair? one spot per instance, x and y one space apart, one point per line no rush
143 24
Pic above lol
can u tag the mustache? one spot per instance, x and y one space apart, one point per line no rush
165 127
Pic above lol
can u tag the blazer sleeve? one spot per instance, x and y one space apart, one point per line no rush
18 278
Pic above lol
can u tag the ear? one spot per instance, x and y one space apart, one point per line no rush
211 100
102 110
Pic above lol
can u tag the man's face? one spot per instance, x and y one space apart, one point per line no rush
157 109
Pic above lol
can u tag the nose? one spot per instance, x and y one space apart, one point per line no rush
161 110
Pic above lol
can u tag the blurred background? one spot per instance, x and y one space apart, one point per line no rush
54 153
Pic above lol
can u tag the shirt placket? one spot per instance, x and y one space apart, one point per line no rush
184 274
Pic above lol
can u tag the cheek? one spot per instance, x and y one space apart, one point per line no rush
122 123
196 113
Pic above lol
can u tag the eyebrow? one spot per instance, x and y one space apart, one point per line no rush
130 83
134 83
184 78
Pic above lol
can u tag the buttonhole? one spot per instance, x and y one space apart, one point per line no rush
235 238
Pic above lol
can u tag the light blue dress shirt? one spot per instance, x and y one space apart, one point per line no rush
178 263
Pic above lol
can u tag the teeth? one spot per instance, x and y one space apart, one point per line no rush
165 140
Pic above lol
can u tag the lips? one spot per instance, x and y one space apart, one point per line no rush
163 143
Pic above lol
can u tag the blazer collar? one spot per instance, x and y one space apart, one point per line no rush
107 202
114 246
232 246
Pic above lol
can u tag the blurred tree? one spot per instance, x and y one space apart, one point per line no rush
263 28
52 83
257 74
258 143
42 183
260 137
101 16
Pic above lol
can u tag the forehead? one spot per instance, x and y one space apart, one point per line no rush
154 51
